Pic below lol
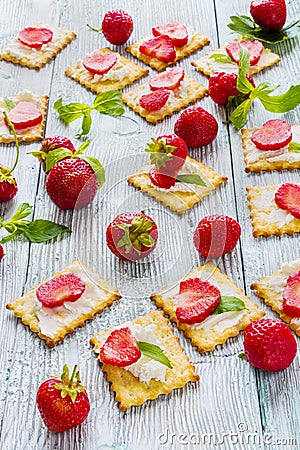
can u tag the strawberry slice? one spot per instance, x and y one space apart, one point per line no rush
35 37
160 47
161 180
155 100
100 63
273 135
254 47
291 296
170 79
64 288
120 348
197 299
24 115
287 197
176 31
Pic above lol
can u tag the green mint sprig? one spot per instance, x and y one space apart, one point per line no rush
294 147
245 26
154 352
221 58
109 103
229 303
34 231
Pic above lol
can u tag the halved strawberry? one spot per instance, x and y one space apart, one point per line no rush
273 135
154 100
160 47
287 197
161 180
35 37
120 348
197 300
291 296
67 287
176 31
170 79
100 63
254 47
24 115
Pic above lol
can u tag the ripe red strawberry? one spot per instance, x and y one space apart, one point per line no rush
72 183
161 180
291 296
8 185
168 153
269 14
222 85
63 402
216 235
35 37
52 143
255 49
196 300
67 287
175 31
24 115
273 135
120 348
117 26
287 197
269 345
1 252
100 63
132 236
196 127
160 47
155 100
169 79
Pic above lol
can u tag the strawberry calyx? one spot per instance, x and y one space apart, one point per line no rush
136 234
160 152
6 173
70 385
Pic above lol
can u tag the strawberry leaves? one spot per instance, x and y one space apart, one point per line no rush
160 152
136 234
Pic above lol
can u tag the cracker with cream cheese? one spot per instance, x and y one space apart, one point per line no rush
129 390
179 200
31 134
53 324
270 289
18 53
216 329
267 218
113 79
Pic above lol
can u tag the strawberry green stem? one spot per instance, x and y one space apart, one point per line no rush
13 131
74 373
94 29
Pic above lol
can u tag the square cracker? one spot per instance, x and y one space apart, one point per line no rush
98 295
270 288
78 73
208 66
206 338
267 217
190 91
129 390
196 42
31 134
18 53
257 160
176 200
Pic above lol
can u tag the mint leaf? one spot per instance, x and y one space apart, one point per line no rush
220 57
10 105
72 111
43 230
22 211
82 148
229 303
110 103
97 168
239 116
294 147
86 124
281 103
56 155
243 84
154 352
263 88
191 179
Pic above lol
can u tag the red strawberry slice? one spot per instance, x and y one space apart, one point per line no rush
170 79
161 180
273 135
120 348
64 288
176 31
155 100
160 47
100 63
25 115
35 37
291 296
287 197
254 47
197 299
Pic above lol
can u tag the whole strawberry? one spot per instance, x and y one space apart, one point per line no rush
8 185
132 236
63 402
222 85
269 14
196 127
1 252
117 26
269 345
52 143
168 153
216 235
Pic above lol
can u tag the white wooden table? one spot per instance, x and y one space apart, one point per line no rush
232 400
